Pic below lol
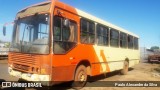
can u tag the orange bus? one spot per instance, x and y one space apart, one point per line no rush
55 42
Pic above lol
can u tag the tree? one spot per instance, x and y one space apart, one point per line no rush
7 45
154 48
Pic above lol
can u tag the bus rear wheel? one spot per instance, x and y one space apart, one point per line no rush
124 71
80 77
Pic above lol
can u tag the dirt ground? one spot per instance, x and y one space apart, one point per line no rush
144 71
141 72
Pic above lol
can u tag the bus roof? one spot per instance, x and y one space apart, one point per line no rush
98 20
40 7
85 15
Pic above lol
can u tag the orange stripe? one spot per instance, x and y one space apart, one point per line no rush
104 59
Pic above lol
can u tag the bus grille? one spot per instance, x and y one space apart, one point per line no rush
21 67
23 62
26 59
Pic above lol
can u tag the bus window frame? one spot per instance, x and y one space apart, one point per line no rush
129 42
137 43
88 31
122 40
118 39
107 36
61 33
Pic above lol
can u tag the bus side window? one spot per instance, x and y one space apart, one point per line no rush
136 43
91 33
114 38
87 31
84 31
57 44
65 37
57 28
102 35
130 42
123 40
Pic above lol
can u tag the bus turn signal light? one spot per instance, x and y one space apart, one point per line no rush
43 71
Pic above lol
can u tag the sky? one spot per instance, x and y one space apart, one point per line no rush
141 17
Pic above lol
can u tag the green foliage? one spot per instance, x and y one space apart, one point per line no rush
154 47
7 45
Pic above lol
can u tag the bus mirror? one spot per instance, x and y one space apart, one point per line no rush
4 30
66 23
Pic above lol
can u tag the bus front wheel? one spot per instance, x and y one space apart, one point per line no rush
80 77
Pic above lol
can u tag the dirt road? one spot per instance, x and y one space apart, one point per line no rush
141 72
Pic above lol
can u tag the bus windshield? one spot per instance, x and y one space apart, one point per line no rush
31 34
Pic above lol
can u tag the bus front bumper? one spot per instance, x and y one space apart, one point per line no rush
44 79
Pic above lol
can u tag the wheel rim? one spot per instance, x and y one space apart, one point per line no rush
81 76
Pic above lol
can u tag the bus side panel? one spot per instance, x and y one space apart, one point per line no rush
64 66
115 57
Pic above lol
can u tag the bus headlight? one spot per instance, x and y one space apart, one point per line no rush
10 65
44 78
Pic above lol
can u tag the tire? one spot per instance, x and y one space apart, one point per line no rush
80 77
20 80
124 71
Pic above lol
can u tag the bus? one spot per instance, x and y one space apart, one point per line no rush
56 43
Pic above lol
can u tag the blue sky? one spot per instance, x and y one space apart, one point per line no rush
141 17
